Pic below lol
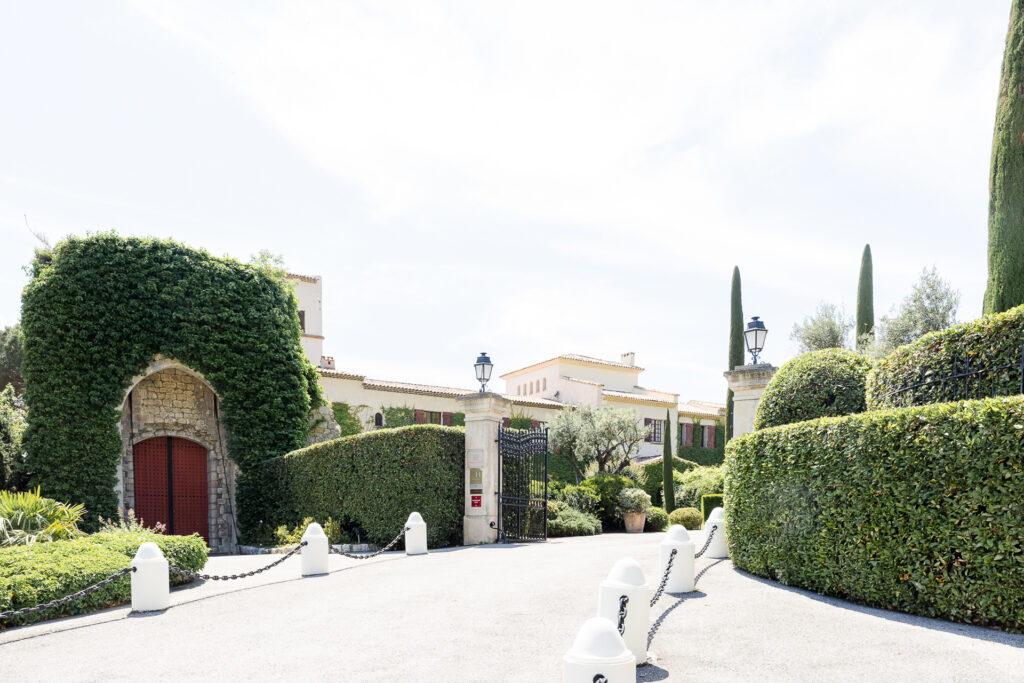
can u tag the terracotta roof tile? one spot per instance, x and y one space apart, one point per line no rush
421 389
638 398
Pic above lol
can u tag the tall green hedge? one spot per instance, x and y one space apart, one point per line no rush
700 455
915 509
992 340
375 480
822 383
94 314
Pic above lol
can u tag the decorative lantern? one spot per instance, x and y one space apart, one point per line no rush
483 367
754 336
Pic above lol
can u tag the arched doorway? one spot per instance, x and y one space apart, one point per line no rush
171 485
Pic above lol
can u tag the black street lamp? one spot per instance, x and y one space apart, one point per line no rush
483 368
754 336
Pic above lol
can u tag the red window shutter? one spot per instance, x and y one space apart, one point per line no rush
534 424
647 423
446 419
419 417
689 434
505 422
711 436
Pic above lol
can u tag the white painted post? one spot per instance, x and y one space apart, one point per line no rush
314 553
718 549
597 654
627 578
680 580
416 536
151 580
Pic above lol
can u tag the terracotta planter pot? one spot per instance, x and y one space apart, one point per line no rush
635 522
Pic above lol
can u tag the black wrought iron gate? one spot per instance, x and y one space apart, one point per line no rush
522 484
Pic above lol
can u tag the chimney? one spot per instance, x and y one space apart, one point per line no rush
629 358
327 362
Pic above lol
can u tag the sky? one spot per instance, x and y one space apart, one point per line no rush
527 179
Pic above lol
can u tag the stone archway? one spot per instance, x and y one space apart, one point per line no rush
172 401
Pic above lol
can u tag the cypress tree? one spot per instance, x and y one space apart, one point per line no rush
666 459
1006 182
735 342
865 300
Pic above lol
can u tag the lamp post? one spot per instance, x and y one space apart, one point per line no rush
754 336
483 367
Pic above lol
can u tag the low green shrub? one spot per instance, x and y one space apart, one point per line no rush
632 500
686 517
990 341
184 552
709 502
651 476
657 518
821 383
375 479
914 509
555 508
582 498
698 482
608 487
28 517
571 522
335 532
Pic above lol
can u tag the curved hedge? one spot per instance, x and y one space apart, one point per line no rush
375 480
992 340
821 383
96 312
915 509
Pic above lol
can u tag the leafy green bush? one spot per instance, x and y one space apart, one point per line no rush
632 500
651 476
582 498
991 341
12 426
817 384
559 470
184 552
915 509
28 518
687 517
555 508
395 416
698 482
608 487
94 314
375 479
657 518
571 522
346 418
709 502
707 457
40 572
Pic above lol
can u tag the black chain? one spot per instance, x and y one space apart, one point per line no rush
623 601
67 598
226 577
664 578
657 624
711 535
386 548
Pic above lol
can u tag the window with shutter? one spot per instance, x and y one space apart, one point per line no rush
534 424
505 422
711 436
446 419
419 417
689 433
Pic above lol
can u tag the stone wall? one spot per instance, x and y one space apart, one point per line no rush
171 400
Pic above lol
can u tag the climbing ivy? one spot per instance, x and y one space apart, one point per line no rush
96 312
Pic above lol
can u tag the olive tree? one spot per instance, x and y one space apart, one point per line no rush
602 439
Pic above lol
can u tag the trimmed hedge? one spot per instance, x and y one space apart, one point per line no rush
95 313
914 509
375 480
823 383
709 502
992 340
657 518
37 573
685 517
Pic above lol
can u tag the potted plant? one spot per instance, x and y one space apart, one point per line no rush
633 504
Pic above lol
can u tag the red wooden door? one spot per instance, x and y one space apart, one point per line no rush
171 486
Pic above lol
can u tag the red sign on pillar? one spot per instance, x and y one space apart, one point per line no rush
474 501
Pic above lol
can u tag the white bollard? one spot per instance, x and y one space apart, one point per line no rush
718 549
680 580
314 553
626 578
598 654
416 536
151 581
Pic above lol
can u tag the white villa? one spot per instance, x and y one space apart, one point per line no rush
536 391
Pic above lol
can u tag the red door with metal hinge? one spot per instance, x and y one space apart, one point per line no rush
171 486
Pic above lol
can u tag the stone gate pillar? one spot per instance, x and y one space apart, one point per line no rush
747 382
484 413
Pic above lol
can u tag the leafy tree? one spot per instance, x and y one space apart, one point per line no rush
596 439
828 328
930 306
12 344
1005 287
735 343
666 459
865 301
12 426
